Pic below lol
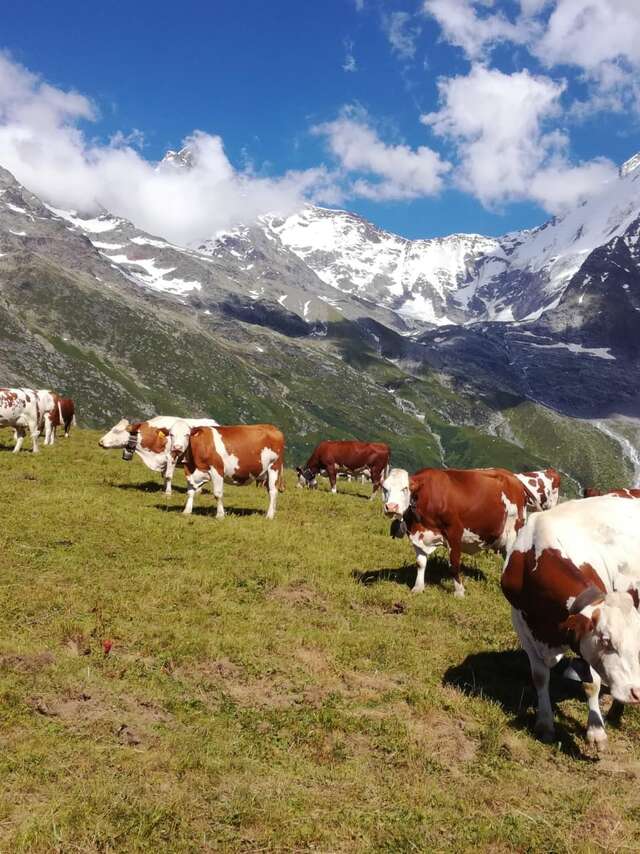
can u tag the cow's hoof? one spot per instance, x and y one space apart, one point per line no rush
418 588
186 512
598 737
545 733
459 592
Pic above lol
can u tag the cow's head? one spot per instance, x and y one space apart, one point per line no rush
607 635
307 478
118 436
396 494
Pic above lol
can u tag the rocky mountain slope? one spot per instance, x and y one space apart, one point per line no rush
274 322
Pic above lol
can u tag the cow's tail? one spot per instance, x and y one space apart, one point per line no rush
280 480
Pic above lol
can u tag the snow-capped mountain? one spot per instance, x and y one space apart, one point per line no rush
457 279
323 321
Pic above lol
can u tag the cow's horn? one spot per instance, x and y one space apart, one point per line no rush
588 597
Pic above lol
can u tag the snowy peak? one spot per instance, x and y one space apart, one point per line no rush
630 165
183 159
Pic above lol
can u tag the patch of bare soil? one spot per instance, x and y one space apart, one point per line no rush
130 719
299 593
447 739
26 663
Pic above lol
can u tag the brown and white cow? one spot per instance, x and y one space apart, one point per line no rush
543 488
238 455
63 414
590 492
335 456
463 509
160 442
19 409
572 581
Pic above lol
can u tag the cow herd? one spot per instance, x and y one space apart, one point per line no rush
571 571
34 411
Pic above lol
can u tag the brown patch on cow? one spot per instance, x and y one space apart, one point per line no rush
26 662
539 589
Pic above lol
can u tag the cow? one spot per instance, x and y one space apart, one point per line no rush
572 580
463 509
349 456
236 454
19 409
543 488
160 453
47 406
590 492
62 415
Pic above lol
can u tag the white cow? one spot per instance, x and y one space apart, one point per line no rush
161 455
572 578
47 404
19 409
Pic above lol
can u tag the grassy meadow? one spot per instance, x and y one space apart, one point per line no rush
270 686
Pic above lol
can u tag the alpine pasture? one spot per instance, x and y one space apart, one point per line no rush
193 684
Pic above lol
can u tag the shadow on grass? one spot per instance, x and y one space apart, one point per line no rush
148 486
210 510
438 570
505 678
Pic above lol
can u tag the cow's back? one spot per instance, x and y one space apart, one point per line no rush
349 453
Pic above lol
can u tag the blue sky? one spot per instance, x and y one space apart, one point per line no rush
353 87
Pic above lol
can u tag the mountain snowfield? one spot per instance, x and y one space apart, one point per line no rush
548 315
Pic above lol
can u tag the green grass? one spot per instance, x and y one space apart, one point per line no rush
258 695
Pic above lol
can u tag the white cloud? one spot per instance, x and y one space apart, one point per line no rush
598 38
42 144
349 63
475 29
591 33
402 34
392 171
505 153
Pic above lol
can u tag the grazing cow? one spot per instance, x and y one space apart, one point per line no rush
159 442
349 456
463 509
62 415
237 454
590 492
543 488
19 408
572 581
47 406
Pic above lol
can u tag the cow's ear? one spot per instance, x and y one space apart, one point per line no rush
633 592
578 625
298 469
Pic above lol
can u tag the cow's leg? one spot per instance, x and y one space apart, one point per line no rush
217 482
167 474
376 480
540 674
34 438
333 476
454 538
18 434
595 725
48 431
422 556
272 481
195 482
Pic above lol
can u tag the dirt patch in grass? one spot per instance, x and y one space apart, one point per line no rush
298 593
26 662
